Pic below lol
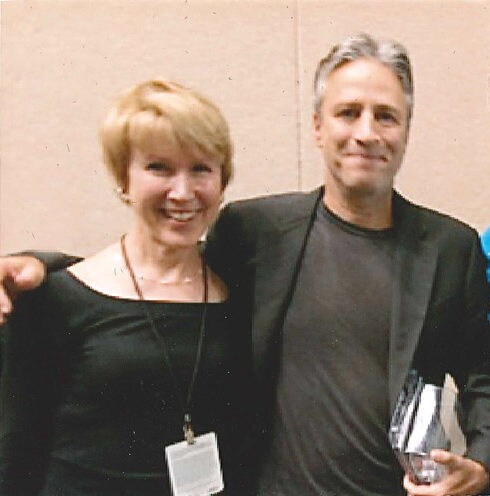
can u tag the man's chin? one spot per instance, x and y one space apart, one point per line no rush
370 188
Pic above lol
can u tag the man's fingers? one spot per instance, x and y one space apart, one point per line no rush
5 305
416 489
17 273
444 457
29 276
8 290
464 477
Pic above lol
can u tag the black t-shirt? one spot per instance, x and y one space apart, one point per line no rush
87 398
329 434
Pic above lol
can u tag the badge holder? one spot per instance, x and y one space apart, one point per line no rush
195 468
193 464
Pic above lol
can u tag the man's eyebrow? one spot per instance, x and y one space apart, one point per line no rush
385 106
389 108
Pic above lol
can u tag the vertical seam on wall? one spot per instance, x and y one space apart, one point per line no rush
298 90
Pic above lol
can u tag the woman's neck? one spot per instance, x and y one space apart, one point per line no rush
159 263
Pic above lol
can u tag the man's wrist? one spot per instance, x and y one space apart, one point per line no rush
52 260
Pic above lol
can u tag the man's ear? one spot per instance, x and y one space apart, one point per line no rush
317 128
407 134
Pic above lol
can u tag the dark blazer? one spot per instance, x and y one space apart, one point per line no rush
439 303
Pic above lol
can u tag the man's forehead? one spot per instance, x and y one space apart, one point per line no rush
362 79
362 64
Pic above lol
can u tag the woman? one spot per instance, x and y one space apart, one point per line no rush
109 360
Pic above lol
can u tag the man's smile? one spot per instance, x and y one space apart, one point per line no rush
366 156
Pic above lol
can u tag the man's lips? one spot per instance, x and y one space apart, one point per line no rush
366 156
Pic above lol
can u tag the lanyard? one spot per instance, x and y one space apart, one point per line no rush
188 432
299 262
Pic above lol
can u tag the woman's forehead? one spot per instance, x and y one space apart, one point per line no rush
156 145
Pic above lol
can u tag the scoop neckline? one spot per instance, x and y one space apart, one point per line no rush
136 300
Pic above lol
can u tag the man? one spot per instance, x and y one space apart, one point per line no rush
350 287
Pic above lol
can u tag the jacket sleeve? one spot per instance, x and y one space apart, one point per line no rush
227 249
27 385
473 369
53 260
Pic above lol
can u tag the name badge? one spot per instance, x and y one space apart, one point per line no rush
195 469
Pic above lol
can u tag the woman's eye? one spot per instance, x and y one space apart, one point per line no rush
157 167
201 168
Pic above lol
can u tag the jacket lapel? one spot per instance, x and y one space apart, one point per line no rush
414 271
278 253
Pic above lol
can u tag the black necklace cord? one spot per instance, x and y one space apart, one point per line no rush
187 407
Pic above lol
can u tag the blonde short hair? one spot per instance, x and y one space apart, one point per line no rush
172 111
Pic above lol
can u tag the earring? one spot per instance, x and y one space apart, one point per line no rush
124 197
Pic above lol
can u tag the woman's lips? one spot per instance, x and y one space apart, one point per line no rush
180 215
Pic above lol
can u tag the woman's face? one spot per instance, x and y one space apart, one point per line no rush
174 193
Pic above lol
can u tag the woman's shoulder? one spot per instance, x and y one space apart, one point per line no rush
59 294
103 273
98 264
68 289
40 308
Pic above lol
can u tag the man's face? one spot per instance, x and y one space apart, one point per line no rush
362 129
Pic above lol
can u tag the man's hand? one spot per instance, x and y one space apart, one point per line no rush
17 273
464 477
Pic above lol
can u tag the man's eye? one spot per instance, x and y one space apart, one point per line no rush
387 117
348 113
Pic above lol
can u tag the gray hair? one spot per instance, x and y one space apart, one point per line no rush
388 52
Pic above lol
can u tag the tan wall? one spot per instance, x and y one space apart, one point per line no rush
63 60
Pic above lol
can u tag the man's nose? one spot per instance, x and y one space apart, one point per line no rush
366 129
181 187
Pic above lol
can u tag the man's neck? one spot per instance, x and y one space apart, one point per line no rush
369 211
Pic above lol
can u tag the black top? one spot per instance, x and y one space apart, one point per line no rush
330 426
86 396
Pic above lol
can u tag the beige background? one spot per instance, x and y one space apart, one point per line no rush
62 61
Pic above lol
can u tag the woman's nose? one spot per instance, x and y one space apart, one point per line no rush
181 188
